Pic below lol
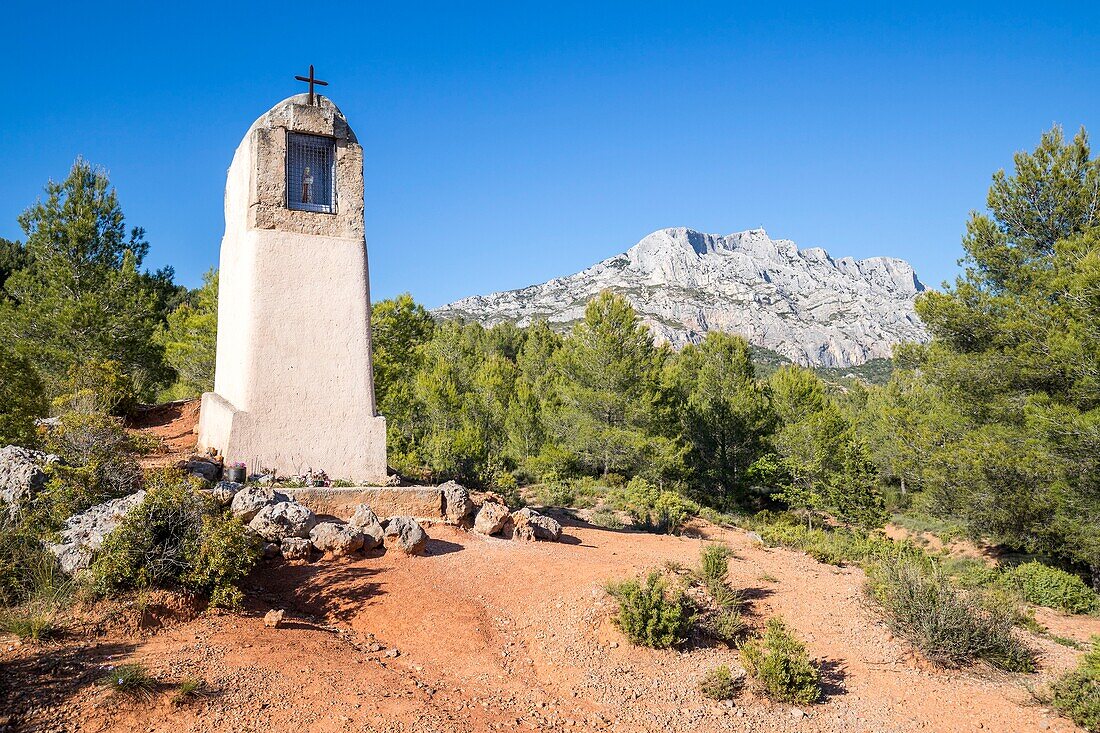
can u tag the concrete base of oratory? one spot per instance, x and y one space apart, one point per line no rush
422 502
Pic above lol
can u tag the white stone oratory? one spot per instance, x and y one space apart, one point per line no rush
293 387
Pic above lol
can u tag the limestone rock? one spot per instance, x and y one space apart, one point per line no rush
271 551
276 522
224 491
803 304
336 539
523 533
457 504
22 474
295 548
365 520
491 518
84 533
543 527
252 498
274 617
406 534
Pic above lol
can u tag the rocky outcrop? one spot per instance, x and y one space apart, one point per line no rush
248 502
491 518
406 534
457 504
368 525
84 533
803 304
22 474
276 522
336 539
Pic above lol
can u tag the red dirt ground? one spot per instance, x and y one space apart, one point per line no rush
499 635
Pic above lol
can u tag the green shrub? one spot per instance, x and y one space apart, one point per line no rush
606 518
190 688
651 508
98 463
714 563
726 625
1076 694
98 385
950 626
650 613
129 679
836 547
32 624
28 571
719 683
1046 586
968 572
22 398
176 536
780 665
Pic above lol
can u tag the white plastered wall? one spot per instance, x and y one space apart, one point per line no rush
293 386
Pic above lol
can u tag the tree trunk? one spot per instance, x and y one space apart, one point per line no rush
1095 577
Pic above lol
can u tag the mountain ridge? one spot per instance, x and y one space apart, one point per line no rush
812 308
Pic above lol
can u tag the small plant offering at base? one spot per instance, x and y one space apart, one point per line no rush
129 679
780 665
719 683
650 613
950 626
1076 694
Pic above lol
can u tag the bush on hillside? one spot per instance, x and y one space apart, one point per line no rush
780 665
836 546
98 464
1046 586
176 537
22 399
719 683
950 626
1077 694
98 385
29 573
650 613
652 509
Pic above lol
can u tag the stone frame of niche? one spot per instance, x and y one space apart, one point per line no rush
268 203
306 140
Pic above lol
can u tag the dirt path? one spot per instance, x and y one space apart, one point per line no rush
493 634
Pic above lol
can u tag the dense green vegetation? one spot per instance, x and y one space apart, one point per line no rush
1077 694
991 430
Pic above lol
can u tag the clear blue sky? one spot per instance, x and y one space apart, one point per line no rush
510 143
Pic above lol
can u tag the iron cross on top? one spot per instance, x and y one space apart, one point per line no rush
311 81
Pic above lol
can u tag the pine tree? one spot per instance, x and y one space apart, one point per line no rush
1016 351
722 414
82 297
190 339
610 374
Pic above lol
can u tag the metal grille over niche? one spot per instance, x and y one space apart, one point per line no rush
311 173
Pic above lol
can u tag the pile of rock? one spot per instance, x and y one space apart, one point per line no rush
293 531
527 525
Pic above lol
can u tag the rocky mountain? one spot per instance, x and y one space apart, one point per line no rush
802 304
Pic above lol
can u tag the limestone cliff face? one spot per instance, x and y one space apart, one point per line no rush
805 305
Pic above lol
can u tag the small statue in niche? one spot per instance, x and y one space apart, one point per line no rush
307 186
